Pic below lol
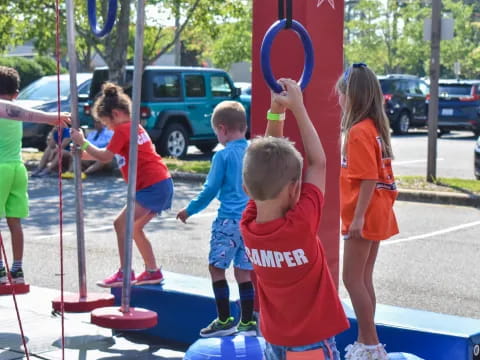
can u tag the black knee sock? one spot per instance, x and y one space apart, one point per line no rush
246 300
222 298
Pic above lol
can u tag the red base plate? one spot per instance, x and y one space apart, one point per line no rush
113 318
8 289
73 303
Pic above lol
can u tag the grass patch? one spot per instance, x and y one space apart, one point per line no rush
404 182
197 167
28 155
441 184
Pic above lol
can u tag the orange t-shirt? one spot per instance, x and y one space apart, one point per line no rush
364 161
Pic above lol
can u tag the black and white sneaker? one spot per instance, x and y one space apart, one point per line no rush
17 276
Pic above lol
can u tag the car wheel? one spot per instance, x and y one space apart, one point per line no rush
401 126
442 132
174 141
207 147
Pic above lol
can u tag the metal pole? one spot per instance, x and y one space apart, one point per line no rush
178 45
77 162
132 165
434 76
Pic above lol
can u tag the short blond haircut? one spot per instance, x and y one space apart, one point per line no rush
269 165
231 114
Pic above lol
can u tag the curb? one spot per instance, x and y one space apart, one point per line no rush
433 197
436 197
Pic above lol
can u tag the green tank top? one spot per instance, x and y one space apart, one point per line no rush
11 132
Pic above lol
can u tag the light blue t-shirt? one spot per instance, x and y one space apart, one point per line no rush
100 138
224 181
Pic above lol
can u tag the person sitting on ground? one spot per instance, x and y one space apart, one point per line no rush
48 165
300 311
100 137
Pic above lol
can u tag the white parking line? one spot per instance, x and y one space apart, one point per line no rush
413 161
432 234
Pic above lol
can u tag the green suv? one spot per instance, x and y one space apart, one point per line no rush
177 104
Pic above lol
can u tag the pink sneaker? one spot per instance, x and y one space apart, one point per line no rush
115 280
148 277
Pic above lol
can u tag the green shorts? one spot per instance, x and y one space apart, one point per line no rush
13 190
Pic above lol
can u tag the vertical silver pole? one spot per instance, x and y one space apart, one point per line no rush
77 162
434 76
132 165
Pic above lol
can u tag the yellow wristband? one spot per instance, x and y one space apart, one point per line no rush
85 145
275 117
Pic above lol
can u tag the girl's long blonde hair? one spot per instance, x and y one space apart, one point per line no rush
363 99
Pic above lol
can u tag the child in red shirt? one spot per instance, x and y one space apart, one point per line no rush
154 184
299 306
367 194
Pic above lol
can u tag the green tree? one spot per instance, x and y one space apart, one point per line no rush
34 19
465 46
365 42
388 35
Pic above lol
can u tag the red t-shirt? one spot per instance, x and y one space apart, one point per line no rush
299 303
150 166
364 161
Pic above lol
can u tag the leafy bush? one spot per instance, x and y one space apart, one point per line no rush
49 65
31 69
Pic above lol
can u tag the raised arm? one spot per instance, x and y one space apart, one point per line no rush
315 155
9 110
275 117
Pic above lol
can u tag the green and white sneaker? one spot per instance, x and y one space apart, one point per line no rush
247 329
3 276
219 328
17 276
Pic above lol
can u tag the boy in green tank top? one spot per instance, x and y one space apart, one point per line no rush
14 178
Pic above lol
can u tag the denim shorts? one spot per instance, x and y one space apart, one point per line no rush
157 197
329 347
226 245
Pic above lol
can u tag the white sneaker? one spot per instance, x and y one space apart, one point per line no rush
359 351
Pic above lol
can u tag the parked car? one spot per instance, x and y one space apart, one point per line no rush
42 95
477 159
459 105
177 104
405 101
246 87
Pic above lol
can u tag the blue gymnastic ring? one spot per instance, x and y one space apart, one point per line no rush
110 21
267 46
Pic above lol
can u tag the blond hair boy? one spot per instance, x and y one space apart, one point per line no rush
299 306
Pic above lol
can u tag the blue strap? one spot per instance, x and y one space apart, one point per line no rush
267 46
110 21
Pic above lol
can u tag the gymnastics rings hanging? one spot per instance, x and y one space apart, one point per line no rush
267 43
110 20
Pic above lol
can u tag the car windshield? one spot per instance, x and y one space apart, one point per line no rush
389 86
455 90
45 89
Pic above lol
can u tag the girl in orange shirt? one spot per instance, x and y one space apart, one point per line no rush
368 192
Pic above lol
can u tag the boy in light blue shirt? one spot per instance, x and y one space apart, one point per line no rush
224 181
